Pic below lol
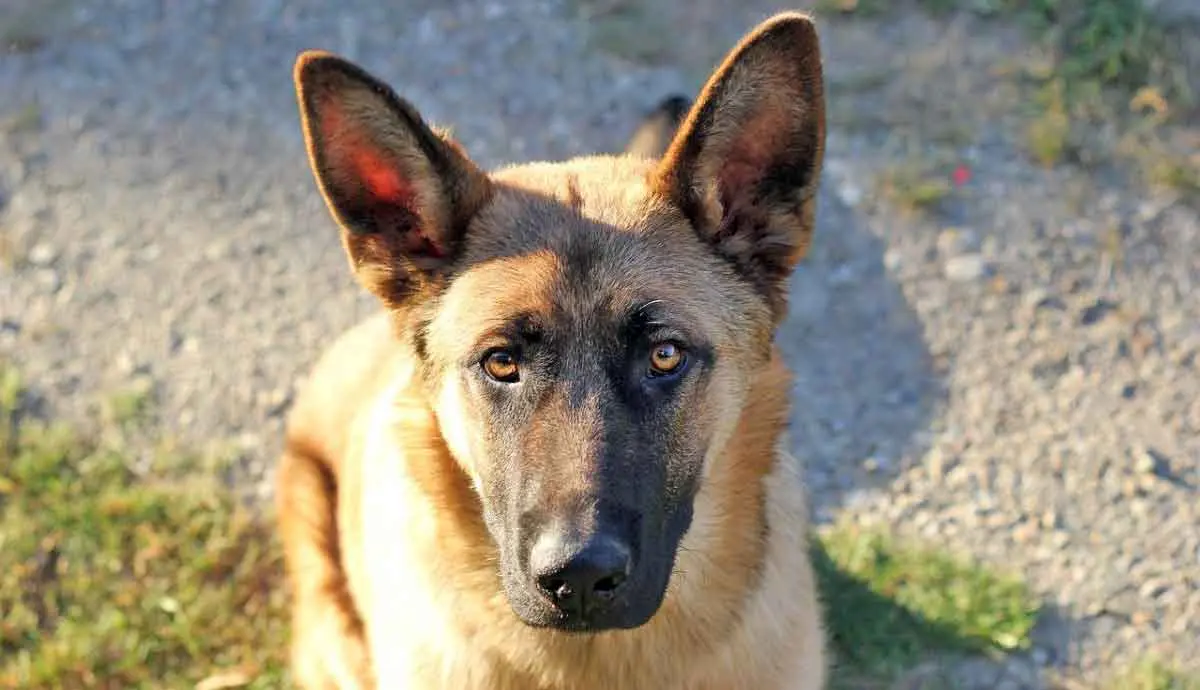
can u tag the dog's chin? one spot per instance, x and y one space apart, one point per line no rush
550 618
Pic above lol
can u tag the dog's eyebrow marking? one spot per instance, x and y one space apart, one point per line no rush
640 313
649 304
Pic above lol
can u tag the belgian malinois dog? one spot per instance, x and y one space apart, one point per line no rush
556 459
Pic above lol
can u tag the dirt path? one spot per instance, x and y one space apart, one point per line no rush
993 374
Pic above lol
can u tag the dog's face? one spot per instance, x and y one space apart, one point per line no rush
586 329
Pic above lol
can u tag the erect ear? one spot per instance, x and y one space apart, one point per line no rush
745 165
402 193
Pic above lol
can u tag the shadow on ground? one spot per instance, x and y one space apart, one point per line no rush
865 390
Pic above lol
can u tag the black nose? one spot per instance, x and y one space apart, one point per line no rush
580 578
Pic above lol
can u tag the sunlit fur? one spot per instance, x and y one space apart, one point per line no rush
394 494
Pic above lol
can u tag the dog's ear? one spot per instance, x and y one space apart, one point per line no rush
745 165
402 193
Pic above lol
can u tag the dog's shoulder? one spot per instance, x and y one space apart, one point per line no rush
344 382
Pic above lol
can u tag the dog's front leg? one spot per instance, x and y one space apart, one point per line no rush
328 651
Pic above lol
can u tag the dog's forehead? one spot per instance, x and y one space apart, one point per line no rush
591 279
608 189
582 246
585 234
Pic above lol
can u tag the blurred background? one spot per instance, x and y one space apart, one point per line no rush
996 338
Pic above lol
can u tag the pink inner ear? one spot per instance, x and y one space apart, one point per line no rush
368 180
380 178
355 158
750 153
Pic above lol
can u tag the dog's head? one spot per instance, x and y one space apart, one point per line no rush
587 329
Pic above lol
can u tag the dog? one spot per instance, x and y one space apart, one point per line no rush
556 459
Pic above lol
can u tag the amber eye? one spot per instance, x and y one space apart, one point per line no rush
501 366
665 358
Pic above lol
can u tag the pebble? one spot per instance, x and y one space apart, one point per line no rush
955 241
1039 656
278 400
1148 461
1152 589
48 279
892 260
42 254
965 268
1096 312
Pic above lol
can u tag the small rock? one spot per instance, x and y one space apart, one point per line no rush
938 464
42 254
1152 589
1139 507
1151 209
150 253
225 680
1142 342
1096 312
1130 488
955 241
221 249
990 246
1052 369
128 365
842 275
892 259
850 193
1050 519
278 401
875 464
999 285
1026 532
1038 299
1146 460
248 441
1039 656
76 124
48 279
965 268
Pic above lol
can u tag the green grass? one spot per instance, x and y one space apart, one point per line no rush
1108 61
110 579
915 184
1096 44
890 604
1105 84
1107 44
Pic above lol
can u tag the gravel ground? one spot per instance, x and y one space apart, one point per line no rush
996 377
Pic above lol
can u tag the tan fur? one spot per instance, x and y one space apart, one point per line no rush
393 571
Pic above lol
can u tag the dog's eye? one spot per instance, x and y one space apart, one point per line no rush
666 359
501 366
